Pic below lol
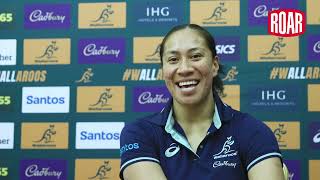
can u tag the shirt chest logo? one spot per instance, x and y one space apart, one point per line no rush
172 150
226 150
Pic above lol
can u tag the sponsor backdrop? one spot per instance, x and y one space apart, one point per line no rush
73 73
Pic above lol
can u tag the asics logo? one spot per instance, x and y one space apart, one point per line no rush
172 150
316 138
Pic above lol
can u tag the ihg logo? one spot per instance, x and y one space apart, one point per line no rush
157 11
4 171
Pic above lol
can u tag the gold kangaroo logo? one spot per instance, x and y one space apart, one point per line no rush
102 171
156 52
231 74
105 14
86 76
217 13
47 135
278 132
48 53
276 47
103 99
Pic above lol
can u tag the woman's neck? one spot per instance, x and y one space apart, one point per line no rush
194 114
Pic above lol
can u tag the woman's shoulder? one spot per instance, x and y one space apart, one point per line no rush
247 122
145 124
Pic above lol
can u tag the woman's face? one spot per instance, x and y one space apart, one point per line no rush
188 67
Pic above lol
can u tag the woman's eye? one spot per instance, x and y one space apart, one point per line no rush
173 59
196 56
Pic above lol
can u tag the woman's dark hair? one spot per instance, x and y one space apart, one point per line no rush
217 83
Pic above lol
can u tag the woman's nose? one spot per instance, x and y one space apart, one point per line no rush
185 67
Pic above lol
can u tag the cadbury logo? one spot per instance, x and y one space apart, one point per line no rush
316 47
93 50
261 11
316 138
34 171
146 98
38 16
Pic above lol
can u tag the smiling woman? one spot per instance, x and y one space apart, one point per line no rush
196 135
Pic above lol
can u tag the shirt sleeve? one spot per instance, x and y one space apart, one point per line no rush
137 143
258 142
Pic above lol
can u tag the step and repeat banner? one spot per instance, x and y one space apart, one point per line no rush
72 73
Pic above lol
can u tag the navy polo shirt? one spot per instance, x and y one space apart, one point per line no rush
234 143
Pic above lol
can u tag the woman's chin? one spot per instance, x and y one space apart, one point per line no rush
188 101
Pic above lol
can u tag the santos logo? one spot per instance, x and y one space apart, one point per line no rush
45 99
84 135
128 147
96 135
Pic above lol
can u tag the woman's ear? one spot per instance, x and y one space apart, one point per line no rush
215 65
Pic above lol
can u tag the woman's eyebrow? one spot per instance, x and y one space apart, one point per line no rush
172 52
195 49
189 50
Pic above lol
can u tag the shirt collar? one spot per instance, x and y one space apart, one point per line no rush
223 113
170 120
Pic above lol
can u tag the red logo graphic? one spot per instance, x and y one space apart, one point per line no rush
286 22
